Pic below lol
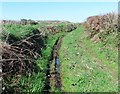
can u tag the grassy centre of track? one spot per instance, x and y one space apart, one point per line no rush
85 66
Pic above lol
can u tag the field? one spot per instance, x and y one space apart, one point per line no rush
60 56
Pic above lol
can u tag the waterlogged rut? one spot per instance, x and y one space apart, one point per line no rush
55 79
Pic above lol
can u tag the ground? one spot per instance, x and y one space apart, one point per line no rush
88 66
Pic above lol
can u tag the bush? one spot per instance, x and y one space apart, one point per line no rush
107 23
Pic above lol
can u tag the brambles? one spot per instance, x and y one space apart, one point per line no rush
18 59
26 50
53 29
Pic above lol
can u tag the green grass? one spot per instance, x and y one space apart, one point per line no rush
33 83
21 31
18 31
86 66
36 81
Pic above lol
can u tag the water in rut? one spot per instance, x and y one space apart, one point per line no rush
55 80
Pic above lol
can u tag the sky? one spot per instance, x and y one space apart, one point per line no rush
70 11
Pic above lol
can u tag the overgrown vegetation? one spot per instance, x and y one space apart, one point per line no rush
32 45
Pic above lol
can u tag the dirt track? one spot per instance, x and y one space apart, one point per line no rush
55 79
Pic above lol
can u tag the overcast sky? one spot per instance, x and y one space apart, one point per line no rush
74 12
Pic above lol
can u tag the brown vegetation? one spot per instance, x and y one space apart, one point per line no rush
96 24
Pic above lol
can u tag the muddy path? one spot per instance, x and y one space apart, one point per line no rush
54 71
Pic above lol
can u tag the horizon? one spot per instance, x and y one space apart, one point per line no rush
62 11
